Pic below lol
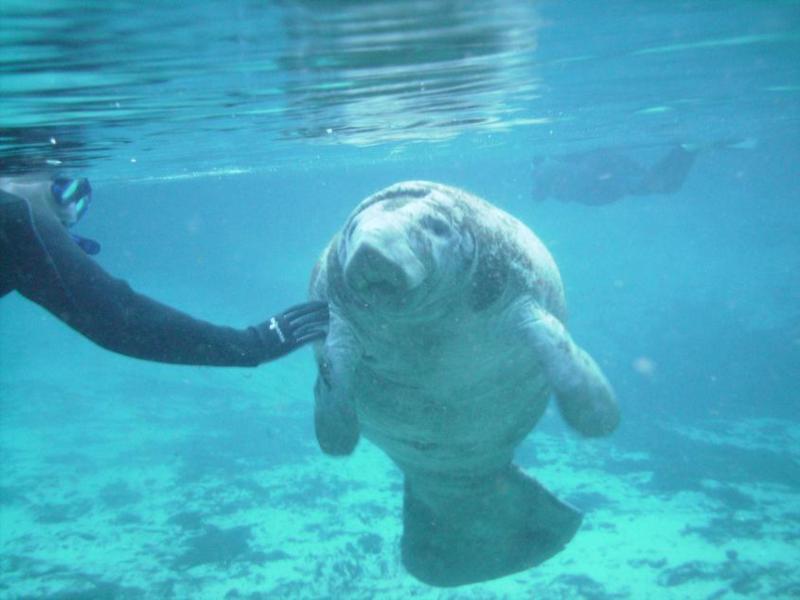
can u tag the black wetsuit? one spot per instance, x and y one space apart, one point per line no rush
39 259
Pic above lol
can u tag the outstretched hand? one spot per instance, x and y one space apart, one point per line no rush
296 326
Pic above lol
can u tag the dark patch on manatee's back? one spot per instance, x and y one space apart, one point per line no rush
402 191
488 281
396 196
393 204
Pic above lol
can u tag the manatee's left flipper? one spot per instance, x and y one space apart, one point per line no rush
335 418
584 396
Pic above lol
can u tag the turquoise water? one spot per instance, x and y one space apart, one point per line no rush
227 142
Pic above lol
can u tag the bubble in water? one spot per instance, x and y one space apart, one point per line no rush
644 366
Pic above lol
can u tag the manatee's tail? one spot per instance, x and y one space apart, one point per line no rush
668 174
484 531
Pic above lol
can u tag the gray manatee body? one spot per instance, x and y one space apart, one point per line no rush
445 342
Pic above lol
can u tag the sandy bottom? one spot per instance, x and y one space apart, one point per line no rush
203 485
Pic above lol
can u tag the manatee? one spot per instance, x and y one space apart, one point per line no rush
446 340
605 175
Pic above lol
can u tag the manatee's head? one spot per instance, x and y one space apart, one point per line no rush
406 248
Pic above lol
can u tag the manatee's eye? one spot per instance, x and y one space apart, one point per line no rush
436 225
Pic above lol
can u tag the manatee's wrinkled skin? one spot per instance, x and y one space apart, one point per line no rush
445 342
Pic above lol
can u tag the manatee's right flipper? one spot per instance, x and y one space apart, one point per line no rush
335 418
584 396
484 530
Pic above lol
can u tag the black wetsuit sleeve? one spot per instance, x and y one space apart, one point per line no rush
40 260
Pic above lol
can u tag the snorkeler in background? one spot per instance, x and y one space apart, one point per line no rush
606 175
42 260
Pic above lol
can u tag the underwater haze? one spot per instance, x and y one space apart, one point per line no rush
227 142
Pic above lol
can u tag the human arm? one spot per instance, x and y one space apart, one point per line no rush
41 261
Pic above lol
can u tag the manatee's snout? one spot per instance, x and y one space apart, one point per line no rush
380 270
